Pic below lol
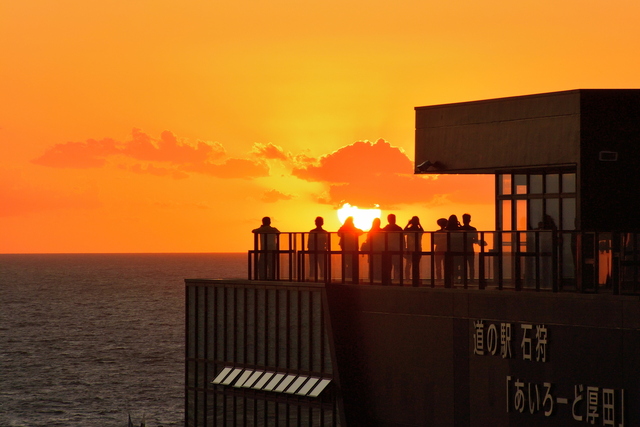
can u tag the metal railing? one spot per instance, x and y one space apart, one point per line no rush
540 260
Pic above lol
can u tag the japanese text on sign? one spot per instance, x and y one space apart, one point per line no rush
589 404
497 338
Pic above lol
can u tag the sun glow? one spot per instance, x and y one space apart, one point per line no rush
362 218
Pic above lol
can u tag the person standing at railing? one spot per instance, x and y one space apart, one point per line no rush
267 245
470 238
412 244
374 245
317 246
440 247
394 244
454 259
349 234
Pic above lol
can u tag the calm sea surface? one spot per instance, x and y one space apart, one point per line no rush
86 340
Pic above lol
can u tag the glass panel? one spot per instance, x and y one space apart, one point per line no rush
521 214
535 184
528 270
553 183
569 214
552 217
521 184
535 214
605 258
504 184
507 263
505 220
568 269
569 183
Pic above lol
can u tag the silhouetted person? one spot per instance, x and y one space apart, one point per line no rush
392 261
440 246
454 259
317 246
349 234
267 243
413 245
374 244
470 238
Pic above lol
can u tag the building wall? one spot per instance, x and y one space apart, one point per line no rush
594 132
266 328
610 124
427 357
412 356
482 136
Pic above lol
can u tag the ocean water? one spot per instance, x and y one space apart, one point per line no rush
89 339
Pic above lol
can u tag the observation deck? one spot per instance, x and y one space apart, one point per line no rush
532 260
535 323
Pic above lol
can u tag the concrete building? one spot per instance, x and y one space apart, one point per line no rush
544 330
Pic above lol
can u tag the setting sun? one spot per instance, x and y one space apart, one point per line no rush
362 218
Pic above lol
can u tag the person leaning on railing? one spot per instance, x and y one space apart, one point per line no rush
392 261
440 247
349 234
374 246
267 245
412 244
470 238
454 259
317 246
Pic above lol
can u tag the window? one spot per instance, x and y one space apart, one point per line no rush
531 201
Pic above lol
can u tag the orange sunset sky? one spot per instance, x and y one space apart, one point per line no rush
175 126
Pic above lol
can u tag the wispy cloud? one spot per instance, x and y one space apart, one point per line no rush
269 151
232 168
157 171
80 155
273 196
167 156
169 149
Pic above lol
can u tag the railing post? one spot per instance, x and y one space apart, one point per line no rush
616 257
465 254
291 252
327 261
499 260
554 260
516 259
275 274
432 258
448 264
301 262
537 259
482 282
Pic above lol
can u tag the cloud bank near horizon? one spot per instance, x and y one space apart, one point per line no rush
166 156
362 173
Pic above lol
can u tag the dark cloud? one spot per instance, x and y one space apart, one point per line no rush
366 174
356 162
